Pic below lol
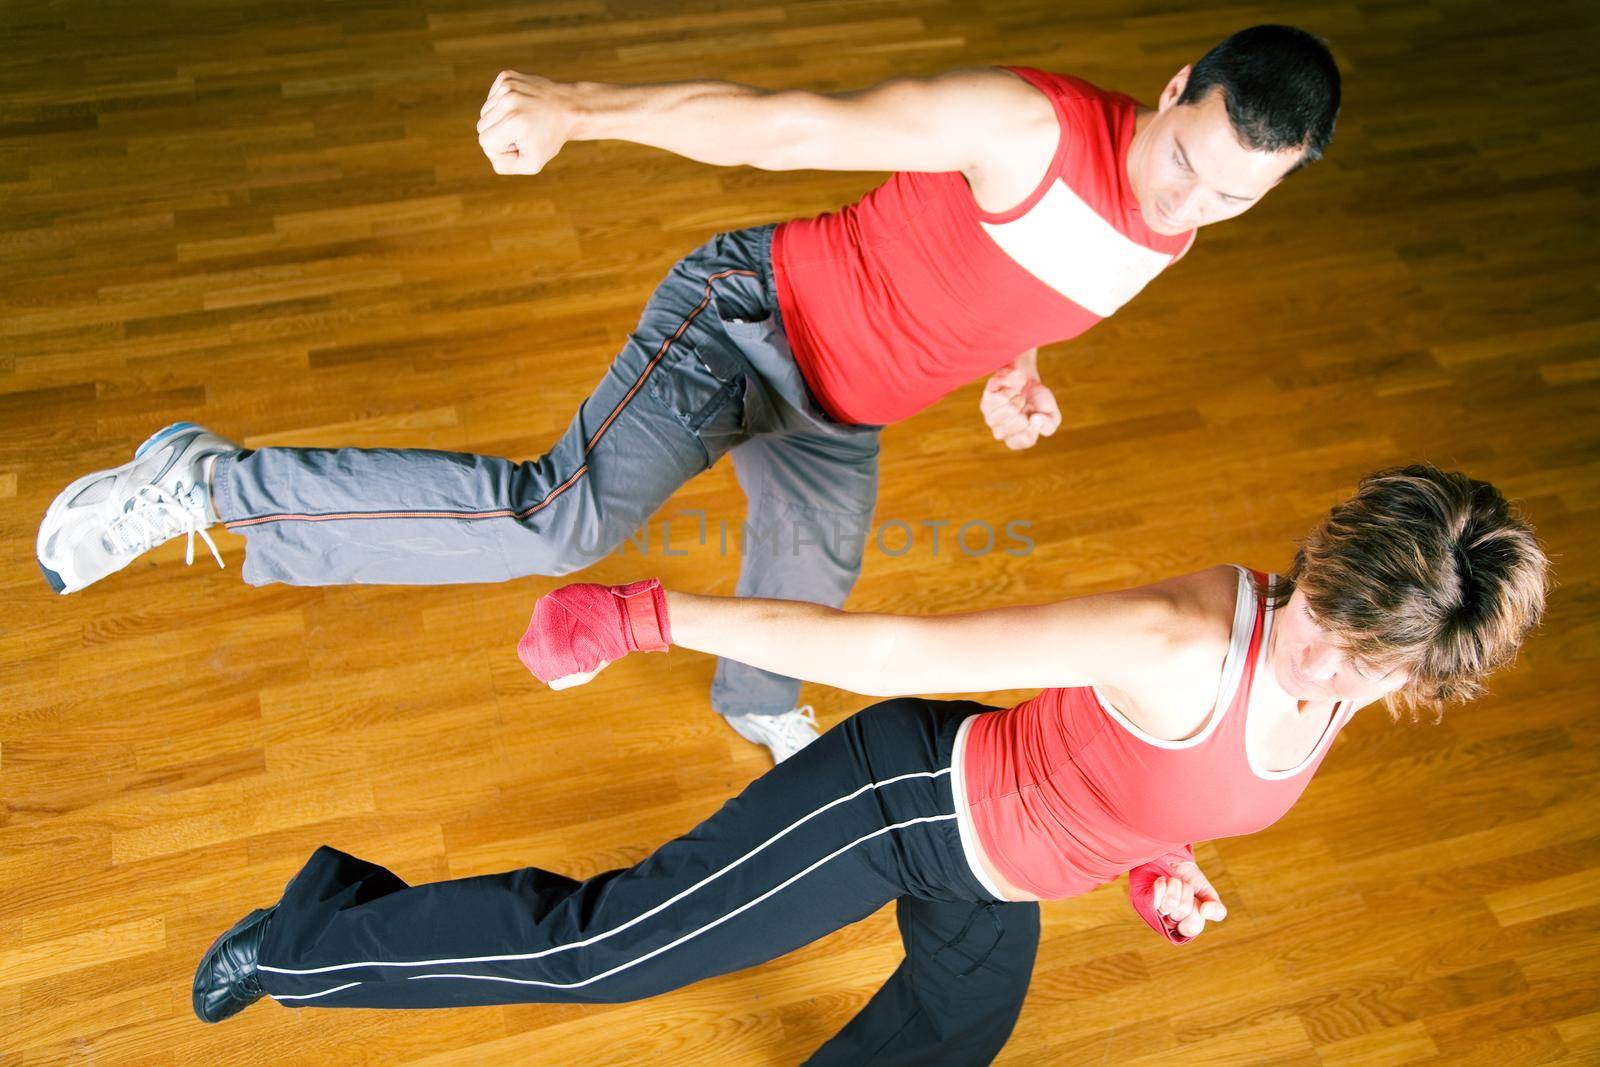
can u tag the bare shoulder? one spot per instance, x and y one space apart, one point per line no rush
987 98
1011 112
1020 136
1165 624
1024 102
1202 604
1182 633
993 86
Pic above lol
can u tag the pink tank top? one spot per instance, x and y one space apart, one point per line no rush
1064 793
914 291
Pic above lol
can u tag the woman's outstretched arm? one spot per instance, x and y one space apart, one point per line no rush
1083 641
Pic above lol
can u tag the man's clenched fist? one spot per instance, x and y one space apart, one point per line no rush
1018 407
524 122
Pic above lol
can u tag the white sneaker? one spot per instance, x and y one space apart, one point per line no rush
784 734
100 523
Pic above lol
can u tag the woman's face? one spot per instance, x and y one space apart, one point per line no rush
1308 665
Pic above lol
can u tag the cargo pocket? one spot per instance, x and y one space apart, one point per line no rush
702 383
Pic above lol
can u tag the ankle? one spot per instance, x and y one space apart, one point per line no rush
208 469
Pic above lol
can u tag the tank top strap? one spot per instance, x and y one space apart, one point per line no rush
1232 728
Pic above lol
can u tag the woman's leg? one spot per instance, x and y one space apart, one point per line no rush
853 821
955 997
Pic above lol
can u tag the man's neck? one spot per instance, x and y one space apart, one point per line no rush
1141 122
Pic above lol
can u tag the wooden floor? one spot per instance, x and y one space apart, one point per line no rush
274 218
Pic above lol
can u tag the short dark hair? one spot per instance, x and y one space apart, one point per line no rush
1280 85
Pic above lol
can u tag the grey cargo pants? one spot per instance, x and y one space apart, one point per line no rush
707 371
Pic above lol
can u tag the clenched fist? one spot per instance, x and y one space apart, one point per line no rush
524 122
1018 407
578 629
1187 898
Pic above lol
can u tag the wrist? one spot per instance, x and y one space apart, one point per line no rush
600 111
645 606
581 115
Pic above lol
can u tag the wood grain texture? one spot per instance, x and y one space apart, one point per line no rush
275 219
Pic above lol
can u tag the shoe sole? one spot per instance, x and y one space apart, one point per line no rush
57 583
54 579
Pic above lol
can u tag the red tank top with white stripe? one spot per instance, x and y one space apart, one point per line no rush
1064 793
913 291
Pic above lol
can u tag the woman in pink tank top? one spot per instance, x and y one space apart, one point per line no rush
1193 708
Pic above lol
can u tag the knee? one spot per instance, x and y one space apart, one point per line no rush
564 564
556 558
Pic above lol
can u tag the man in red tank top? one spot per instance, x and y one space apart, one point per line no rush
1023 207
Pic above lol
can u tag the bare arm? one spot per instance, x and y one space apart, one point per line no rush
1105 639
973 121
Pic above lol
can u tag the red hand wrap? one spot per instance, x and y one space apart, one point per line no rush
577 627
1142 893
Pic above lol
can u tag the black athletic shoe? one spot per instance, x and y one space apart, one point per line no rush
226 981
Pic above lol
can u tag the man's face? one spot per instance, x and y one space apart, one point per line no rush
1188 168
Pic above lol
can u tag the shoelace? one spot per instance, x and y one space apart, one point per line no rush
159 515
791 729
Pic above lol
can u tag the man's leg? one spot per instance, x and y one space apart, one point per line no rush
669 406
811 494
811 484
955 998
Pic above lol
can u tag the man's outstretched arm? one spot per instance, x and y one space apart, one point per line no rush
984 123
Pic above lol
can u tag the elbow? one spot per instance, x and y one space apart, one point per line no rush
875 689
876 675
864 678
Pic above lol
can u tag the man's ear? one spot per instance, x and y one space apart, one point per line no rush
1174 89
